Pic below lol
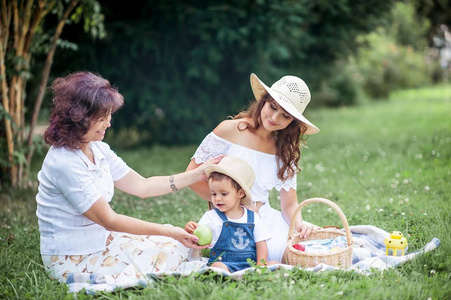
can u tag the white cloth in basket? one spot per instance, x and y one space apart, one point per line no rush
324 246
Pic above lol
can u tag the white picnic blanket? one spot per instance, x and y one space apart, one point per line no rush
368 255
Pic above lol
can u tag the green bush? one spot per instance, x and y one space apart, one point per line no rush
386 66
342 88
125 137
394 56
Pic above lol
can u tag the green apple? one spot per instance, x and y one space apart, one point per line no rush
205 235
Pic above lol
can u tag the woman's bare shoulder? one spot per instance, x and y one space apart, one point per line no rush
227 129
234 131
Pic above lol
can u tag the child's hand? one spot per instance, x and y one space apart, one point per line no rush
191 226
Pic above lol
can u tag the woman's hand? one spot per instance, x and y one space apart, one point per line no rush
305 230
211 161
188 240
289 206
254 207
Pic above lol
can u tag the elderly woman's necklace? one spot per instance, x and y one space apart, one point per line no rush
89 154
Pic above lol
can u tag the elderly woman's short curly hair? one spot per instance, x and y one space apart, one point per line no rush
79 99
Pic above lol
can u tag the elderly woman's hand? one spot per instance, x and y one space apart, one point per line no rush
188 240
211 161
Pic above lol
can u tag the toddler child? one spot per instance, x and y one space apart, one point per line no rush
238 233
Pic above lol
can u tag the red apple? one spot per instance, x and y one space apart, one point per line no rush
299 247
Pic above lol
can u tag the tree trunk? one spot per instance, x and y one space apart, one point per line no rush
45 77
19 20
4 35
5 103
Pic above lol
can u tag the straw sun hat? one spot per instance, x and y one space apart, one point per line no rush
291 93
238 170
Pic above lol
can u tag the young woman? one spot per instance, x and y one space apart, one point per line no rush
80 232
267 136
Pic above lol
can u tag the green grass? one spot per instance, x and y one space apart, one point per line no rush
384 163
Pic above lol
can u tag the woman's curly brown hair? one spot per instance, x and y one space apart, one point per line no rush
287 140
79 99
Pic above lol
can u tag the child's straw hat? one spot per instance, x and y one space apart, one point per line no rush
238 170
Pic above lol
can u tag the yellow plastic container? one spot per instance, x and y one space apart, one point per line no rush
396 244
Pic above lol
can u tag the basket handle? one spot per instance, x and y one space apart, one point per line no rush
331 204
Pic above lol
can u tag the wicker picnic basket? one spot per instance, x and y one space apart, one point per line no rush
341 258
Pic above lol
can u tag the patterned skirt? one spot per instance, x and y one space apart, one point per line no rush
124 254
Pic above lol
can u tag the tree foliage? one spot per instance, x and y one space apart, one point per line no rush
184 65
394 56
438 13
22 35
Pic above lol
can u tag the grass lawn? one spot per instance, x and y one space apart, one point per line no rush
384 163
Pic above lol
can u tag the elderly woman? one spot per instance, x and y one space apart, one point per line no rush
80 232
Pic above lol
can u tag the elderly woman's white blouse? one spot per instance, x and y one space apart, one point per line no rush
264 165
69 184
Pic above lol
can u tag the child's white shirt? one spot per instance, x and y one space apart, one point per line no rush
214 221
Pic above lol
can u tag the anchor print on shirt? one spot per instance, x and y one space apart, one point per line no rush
241 244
